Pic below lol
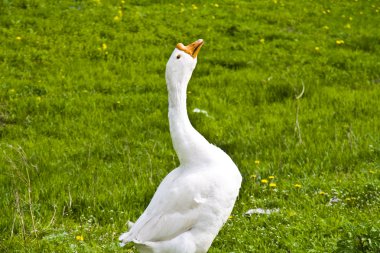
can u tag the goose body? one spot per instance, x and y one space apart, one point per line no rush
194 200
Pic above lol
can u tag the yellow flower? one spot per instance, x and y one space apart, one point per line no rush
18 38
292 213
79 238
264 181
104 46
317 49
322 193
339 42
216 5
297 185
194 7
230 217
273 185
262 41
257 162
271 177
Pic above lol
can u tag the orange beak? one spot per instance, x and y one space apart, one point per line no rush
191 49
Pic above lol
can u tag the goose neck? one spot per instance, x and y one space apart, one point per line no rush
189 145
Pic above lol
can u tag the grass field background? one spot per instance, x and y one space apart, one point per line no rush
84 136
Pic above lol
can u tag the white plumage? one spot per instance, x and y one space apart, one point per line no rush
193 201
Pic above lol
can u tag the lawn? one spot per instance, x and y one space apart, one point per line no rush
292 94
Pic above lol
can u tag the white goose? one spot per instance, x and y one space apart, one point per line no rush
193 201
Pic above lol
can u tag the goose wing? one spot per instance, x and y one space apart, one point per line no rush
174 208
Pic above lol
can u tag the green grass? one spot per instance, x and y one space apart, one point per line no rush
84 137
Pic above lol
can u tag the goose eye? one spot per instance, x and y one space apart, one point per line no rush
178 56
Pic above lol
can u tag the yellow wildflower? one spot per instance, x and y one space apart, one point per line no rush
339 42
271 177
18 38
216 5
79 238
257 162
273 185
298 186
264 181
104 46
194 7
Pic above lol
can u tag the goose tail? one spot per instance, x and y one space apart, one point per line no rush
126 237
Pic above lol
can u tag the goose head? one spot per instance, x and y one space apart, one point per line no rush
181 64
